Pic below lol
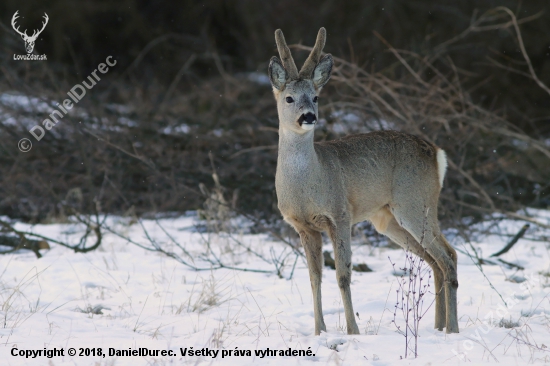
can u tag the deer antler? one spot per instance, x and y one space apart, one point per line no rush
286 56
13 19
36 33
314 56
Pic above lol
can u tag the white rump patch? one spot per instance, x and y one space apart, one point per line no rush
441 165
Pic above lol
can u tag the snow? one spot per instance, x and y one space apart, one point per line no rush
345 122
124 297
22 105
175 130
25 103
27 112
259 78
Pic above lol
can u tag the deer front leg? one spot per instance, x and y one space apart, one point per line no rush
341 235
313 245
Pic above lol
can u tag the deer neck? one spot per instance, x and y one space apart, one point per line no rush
297 158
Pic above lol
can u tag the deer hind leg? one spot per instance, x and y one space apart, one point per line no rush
385 224
420 220
313 245
340 235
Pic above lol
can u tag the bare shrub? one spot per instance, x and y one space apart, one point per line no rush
508 323
414 283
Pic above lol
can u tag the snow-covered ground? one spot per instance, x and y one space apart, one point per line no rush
26 111
124 297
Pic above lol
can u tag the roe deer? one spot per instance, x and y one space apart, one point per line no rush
390 178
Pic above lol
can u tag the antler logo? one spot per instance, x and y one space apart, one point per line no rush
29 40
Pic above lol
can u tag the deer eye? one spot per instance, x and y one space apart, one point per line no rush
315 99
289 100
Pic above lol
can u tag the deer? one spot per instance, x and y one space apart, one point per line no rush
389 178
29 40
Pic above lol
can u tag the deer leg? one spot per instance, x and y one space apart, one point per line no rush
341 235
389 226
313 245
451 285
422 225
445 256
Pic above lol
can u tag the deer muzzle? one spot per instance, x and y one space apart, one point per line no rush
307 121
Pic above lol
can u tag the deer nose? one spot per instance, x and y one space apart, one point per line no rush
309 118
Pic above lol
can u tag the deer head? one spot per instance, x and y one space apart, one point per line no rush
29 40
296 92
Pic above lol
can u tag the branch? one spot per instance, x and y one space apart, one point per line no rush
513 241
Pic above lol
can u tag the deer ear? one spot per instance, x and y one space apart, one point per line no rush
277 74
321 73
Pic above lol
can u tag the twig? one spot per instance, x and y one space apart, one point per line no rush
523 51
512 242
252 149
511 265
